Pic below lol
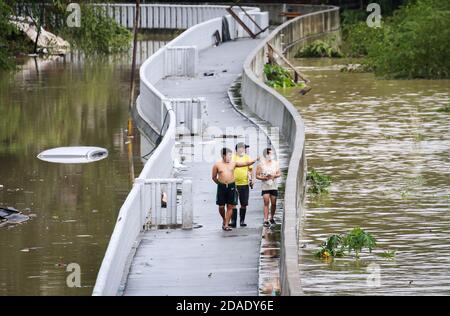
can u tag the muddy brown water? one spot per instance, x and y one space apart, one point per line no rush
387 150
73 207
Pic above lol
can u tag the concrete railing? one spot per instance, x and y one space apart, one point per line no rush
159 114
277 110
163 16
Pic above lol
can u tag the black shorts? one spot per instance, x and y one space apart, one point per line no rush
271 192
243 192
226 194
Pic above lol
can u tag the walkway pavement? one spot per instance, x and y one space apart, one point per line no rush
205 260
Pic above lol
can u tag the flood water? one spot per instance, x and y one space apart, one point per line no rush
387 150
73 207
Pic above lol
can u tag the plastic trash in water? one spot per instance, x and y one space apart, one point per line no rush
82 154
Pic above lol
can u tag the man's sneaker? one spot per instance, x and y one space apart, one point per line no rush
266 224
272 221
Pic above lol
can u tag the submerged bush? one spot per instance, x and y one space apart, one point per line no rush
318 48
331 248
318 182
388 254
278 77
356 240
445 108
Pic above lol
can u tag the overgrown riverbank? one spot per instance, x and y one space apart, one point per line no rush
412 41
97 35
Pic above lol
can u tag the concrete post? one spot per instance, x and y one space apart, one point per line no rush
141 183
188 209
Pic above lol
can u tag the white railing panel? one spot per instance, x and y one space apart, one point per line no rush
181 61
126 231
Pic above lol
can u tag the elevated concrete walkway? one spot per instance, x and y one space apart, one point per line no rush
205 260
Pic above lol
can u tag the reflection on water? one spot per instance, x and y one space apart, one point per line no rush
387 150
73 208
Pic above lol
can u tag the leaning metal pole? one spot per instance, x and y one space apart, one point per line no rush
130 131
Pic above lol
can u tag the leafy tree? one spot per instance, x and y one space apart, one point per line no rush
415 43
98 34
6 29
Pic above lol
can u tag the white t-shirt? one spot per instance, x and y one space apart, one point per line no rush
269 169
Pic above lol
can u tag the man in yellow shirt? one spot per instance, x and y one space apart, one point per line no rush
243 177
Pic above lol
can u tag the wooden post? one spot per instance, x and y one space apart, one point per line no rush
280 54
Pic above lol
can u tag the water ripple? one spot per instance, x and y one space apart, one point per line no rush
387 150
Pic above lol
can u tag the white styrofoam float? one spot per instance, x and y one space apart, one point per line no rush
81 154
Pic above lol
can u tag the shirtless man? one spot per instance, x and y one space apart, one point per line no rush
223 175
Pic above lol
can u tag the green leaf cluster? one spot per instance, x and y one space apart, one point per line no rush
278 77
318 182
356 240
318 48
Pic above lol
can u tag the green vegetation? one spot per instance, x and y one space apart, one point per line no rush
356 240
331 248
412 43
318 182
6 31
445 108
357 36
278 77
319 48
98 34
388 254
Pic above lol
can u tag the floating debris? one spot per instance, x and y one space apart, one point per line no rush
84 236
81 154
30 249
9 215
62 243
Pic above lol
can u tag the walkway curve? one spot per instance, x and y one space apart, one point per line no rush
272 107
262 100
179 57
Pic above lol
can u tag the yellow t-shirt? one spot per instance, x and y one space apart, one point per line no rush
241 173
